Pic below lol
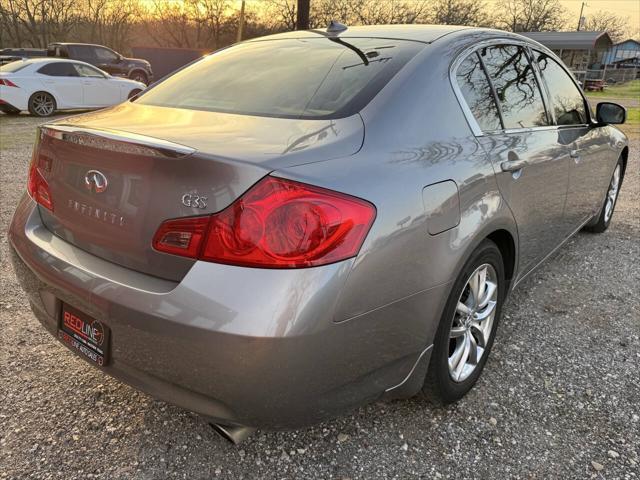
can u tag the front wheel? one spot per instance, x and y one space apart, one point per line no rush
139 76
133 93
42 104
468 326
603 220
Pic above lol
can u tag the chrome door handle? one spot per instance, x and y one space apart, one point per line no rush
513 165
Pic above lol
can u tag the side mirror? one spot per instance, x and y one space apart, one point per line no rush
608 113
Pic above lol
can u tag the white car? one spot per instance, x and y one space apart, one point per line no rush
44 85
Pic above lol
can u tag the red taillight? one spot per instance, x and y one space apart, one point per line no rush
7 83
277 224
182 236
37 185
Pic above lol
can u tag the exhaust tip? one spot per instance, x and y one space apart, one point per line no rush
233 434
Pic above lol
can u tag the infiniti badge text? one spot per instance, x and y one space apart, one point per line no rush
97 213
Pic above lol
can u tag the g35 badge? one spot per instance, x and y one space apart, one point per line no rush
195 201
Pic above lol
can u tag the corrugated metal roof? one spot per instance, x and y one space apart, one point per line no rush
571 40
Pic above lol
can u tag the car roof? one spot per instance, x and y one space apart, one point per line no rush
414 32
77 44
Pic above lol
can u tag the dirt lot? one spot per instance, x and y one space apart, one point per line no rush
560 396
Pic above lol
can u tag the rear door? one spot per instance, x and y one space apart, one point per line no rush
530 161
63 81
98 90
588 169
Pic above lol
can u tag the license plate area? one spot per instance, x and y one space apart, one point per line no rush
84 334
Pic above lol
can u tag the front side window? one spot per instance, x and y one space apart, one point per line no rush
294 78
87 71
566 100
58 69
515 85
476 90
104 55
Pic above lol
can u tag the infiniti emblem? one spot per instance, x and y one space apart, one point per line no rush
95 181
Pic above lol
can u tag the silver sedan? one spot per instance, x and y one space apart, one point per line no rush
303 223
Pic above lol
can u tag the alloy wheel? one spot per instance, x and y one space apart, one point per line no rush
473 322
43 104
612 194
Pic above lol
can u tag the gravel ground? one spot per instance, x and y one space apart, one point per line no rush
560 396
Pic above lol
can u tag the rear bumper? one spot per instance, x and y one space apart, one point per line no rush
242 346
13 97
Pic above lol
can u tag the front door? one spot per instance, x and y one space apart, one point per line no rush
588 175
98 90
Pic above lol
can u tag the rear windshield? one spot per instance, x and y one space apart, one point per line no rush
293 78
13 66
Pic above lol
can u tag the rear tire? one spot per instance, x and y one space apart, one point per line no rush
463 340
42 104
602 221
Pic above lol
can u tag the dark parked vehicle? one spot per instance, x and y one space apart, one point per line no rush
12 54
300 224
105 59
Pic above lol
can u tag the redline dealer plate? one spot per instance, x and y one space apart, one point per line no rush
84 334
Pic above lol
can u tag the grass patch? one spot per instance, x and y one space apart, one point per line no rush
633 116
626 90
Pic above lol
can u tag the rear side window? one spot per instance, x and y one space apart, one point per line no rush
293 78
81 51
516 86
566 100
58 69
476 90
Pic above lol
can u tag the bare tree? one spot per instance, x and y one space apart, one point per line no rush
602 21
280 14
189 24
368 12
35 23
459 12
530 15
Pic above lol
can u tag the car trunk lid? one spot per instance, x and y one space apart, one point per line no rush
113 184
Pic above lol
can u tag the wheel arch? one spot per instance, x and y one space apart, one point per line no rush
138 69
507 245
624 154
55 98
504 234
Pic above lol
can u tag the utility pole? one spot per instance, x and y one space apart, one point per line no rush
580 17
302 15
240 23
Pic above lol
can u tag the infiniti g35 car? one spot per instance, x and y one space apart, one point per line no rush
303 223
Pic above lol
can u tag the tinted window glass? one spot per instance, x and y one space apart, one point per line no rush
516 86
86 71
59 70
81 51
310 78
477 92
566 100
104 55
